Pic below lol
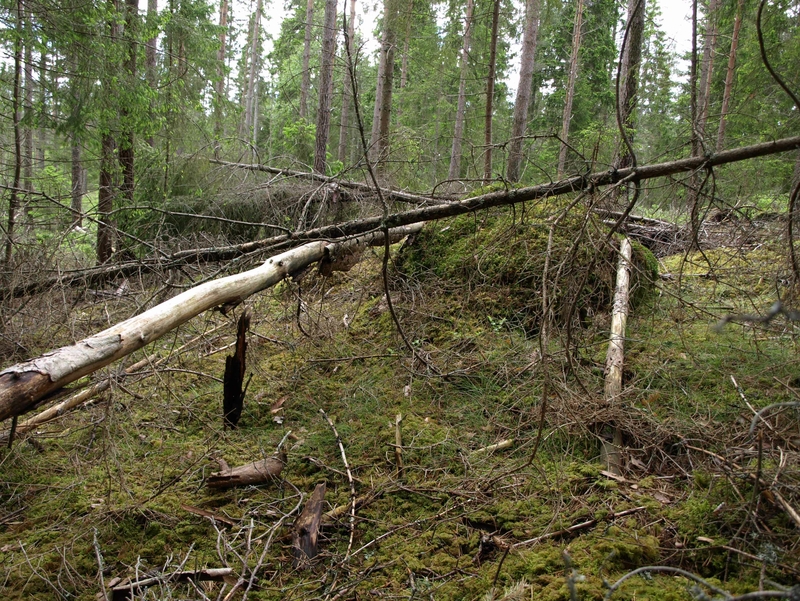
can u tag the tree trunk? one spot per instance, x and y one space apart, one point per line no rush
305 81
126 147
461 110
346 89
379 139
77 183
13 200
306 528
41 130
707 67
253 73
105 198
219 87
615 355
490 81
325 86
529 39
629 77
571 78
726 94
27 162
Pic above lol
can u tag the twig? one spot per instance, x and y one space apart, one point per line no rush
672 570
352 485
757 416
100 568
577 527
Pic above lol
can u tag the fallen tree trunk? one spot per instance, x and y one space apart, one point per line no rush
388 194
430 213
257 472
495 199
23 385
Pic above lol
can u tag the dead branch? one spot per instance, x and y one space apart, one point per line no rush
128 590
257 472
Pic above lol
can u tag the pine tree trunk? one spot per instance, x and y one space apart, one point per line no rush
572 77
305 81
726 94
529 39
105 198
707 67
252 72
383 94
346 90
461 110
629 76
13 200
219 87
325 86
490 81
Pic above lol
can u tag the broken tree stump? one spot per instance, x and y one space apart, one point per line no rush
616 351
306 528
257 472
233 381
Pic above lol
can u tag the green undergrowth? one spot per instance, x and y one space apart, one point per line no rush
113 479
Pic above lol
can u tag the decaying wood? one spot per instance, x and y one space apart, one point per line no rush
23 385
616 350
306 528
128 590
233 381
257 472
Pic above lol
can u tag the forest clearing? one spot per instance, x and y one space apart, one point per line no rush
315 323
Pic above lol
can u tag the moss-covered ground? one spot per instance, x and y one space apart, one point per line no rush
102 492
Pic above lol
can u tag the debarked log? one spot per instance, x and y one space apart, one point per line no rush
23 385
257 472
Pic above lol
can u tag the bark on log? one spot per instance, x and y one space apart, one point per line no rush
306 528
257 472
616 350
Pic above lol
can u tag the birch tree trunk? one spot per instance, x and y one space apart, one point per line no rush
615 356
461 110
529 39
24 384
490 81
572 77
325 86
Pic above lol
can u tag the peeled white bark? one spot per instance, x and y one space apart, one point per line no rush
24 384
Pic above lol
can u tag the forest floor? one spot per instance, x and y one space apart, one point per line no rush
117 489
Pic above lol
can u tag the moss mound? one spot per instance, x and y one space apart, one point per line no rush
496 262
